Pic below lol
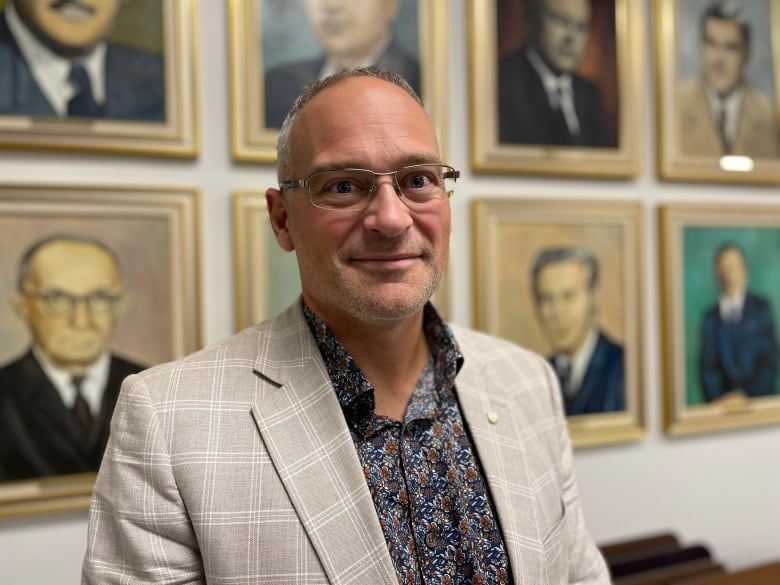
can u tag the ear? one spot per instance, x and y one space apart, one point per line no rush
19 306
277 213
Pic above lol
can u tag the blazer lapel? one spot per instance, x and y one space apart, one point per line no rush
307 438
496 424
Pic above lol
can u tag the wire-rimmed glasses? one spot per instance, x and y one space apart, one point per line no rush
62 304
352 189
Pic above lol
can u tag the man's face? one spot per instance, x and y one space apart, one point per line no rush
724 54
381 263
351 30
731 272
69 27
563 33
565 305
74 339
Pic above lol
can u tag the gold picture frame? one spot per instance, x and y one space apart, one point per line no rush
154 236
515 242
690 147
253 138
706 354
608 78
266 277
153 39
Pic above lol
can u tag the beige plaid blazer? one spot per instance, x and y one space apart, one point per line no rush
235 466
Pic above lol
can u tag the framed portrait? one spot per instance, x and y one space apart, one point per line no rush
718 101
556 87
96 283
276 47
266 277
118 77
563 279
720 281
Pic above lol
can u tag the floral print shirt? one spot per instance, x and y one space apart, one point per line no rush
431 498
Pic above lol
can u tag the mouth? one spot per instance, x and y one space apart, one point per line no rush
72 10
386 261
333 26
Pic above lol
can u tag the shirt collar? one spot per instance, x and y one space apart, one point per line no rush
51 70
552 82
95 379
579 362
353 390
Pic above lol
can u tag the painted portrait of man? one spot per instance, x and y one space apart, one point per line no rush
724 97
342 34
550 92
58 395
589 364
59 60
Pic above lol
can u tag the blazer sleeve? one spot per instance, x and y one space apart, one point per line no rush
139 531
586 564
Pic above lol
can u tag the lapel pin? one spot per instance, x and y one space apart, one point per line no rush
492 417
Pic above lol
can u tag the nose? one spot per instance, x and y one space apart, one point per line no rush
80 317
387 213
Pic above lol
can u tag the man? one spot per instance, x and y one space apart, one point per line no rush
352 33
738 344
541 98
718 111
588 363
351 439
55 62
56 400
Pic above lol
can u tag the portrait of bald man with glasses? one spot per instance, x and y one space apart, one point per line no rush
56 400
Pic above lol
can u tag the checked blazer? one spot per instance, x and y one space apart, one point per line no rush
235 466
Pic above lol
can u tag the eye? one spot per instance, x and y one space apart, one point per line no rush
418 180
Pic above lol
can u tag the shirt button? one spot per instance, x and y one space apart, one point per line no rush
430 540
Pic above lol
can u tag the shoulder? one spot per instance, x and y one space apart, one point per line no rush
299 71
609 345
136 60
19 366
490 351
757 301
689 90
757 102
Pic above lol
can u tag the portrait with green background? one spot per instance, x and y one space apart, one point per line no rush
761 247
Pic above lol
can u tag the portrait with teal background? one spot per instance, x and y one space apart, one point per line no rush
761 247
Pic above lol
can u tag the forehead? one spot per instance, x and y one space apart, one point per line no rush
723 28
563 273
363 121
73 264
730 256
571 8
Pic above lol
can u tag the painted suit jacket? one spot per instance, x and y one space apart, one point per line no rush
739 355
525 115
284 83
39 435
236 466
697 134
135 83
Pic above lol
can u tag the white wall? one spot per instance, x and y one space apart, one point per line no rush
720 489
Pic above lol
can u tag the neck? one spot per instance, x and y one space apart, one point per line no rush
391 354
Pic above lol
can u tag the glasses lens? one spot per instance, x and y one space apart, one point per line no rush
341 189
423 183
101 302
58 302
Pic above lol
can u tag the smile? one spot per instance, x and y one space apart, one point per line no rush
72 10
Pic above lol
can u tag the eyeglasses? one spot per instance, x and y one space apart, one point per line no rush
352 189
61 303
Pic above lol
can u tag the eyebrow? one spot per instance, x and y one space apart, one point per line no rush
412 159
